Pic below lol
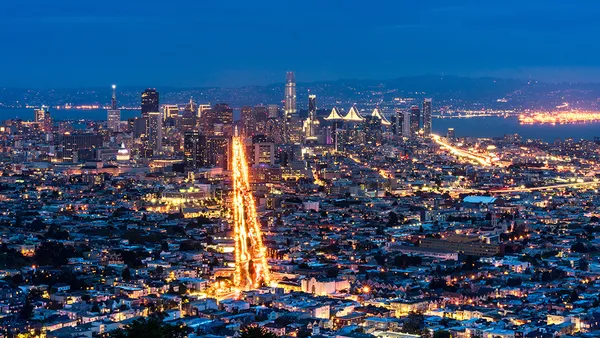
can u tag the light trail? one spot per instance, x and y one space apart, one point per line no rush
251 267
485 161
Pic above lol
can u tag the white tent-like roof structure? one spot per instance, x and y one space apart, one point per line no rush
353 115
334 115
377 113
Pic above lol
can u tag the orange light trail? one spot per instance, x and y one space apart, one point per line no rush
251 267
485 161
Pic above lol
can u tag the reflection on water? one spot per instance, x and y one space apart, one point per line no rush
499 126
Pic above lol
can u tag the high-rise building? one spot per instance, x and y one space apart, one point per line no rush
113 115
406 124
312 104
217 121
194 145
149 102
154 132
427 111
289 110
263 151
170 111
451 134
415 120
311 124
218 151
43 118
202 107
290 94
247 121
273 111
189 117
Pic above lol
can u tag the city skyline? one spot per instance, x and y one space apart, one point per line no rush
520 42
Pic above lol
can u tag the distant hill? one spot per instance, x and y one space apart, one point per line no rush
456 92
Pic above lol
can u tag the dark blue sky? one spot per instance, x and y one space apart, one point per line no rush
76 43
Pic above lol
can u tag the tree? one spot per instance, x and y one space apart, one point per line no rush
254 331
26 311
413 323
392 219
152 327
126 274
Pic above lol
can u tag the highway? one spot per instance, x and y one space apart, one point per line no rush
485 161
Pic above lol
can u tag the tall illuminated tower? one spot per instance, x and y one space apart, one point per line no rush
289 108
427 111
113 115
290 94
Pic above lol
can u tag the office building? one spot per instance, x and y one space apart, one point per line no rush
154 132
149 102
170 111
415 120
194 145
273 111
247 121
217 121
69 145
406 124
451 134
43 118
189 119
427 111
113 115
263 151
202 107
218 151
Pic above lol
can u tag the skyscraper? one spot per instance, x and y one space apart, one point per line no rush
273 111
113 115
170 111
311 124
427 110
289 108
218 151
312 104
149 102
194 145
189 117
43 118
224 118
290 94
415 120
406 124
154 132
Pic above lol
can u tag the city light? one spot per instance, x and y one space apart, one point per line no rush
251 267
573 116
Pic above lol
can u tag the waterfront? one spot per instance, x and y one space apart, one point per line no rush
474 127
500 126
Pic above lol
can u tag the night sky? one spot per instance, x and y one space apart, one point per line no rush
68 43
